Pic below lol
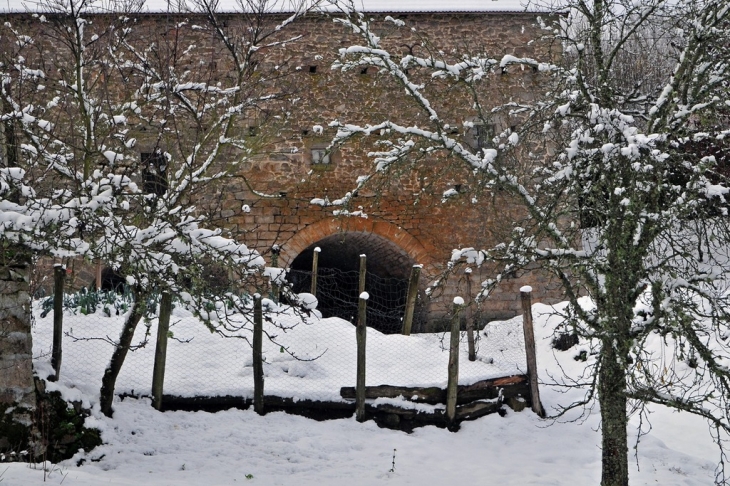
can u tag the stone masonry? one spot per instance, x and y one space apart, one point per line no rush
406 219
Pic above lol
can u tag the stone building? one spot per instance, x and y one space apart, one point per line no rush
399 220
407 222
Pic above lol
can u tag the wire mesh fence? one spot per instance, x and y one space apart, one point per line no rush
337 292
305 356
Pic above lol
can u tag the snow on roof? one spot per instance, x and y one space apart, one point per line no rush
373 6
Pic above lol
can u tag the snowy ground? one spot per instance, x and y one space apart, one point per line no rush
321 359
144 447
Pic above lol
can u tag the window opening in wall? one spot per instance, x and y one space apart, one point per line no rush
481 135
154 173
320 156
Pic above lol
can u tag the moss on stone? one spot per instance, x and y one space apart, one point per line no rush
15 434
62 427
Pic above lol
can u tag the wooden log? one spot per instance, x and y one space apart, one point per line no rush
407 413
477 409
530 350
411 299
258 361
59 277
432 395
361 335
481 390
163 328
509 386
453 369
315 269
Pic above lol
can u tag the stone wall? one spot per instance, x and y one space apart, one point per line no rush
404 208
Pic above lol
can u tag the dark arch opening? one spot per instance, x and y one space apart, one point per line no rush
112 280
388 271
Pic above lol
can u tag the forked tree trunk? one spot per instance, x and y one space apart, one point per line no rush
614 420
108 382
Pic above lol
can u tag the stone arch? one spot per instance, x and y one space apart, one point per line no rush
420 253
391 253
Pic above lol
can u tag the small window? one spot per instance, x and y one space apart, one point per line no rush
481 135
320 156
154 172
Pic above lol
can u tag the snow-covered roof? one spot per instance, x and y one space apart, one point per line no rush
281 6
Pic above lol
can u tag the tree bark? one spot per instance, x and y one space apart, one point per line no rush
614 420
158 371
108 382
59 275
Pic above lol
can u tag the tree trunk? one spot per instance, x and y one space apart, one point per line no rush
612 398
16 355
108 382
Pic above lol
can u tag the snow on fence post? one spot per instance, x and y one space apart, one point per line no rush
360 335
525 294
411 299
315 269
258 362
59 276
163 328
453 380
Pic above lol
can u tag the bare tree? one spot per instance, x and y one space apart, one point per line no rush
116 128
622 200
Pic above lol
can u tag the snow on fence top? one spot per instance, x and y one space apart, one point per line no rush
285 6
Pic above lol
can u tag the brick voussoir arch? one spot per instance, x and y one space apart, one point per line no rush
421 253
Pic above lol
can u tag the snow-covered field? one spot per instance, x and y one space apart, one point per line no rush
145 447
321 356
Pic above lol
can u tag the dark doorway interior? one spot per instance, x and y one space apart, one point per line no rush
388 271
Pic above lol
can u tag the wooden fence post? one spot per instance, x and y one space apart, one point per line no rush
453 383
275 287
470 320
98 275
363 273
258 362
361 334
59 276
315 268
525 294
411 299
163 328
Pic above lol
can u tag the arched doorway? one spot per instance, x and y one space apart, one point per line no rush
388 271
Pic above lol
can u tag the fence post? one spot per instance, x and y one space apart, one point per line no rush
411 299
361 334
98 275
258 361
315 265
59 276
163 327
525 294
470 320
453 382
363 272
275 289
